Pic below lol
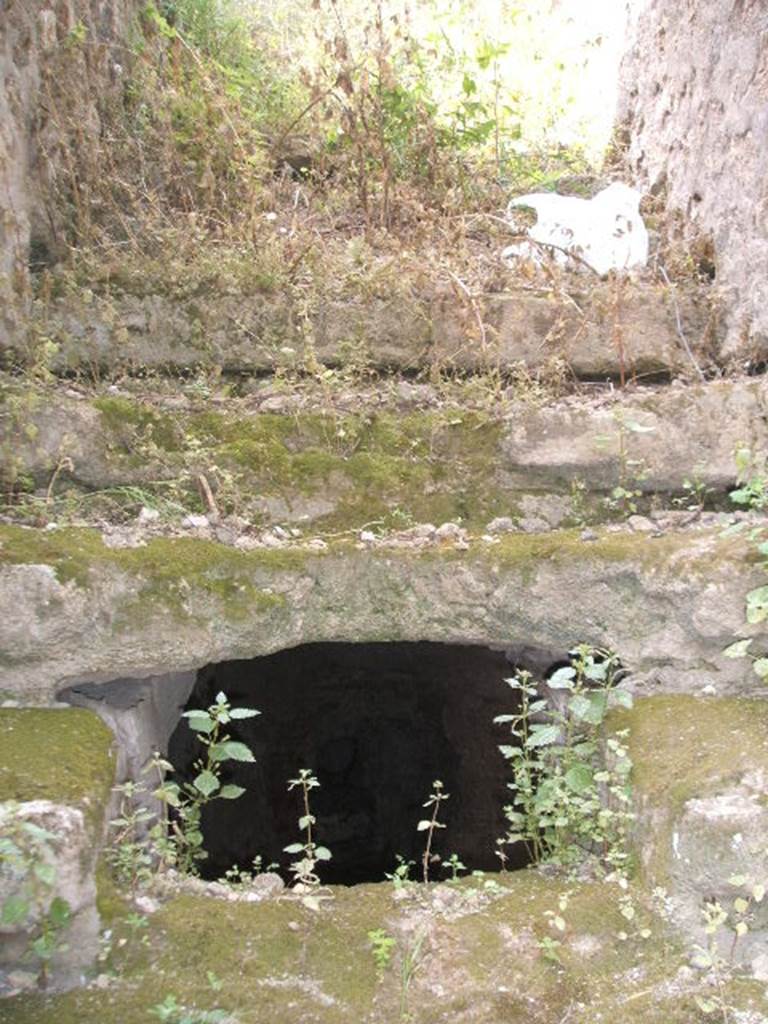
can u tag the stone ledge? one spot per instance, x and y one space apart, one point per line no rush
72 609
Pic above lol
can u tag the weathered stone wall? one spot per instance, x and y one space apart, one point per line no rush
695 106
72 609
36 40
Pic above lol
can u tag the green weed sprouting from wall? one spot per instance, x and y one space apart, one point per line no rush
28 876
570 781
752 495
144 843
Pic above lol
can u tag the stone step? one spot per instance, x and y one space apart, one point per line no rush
593 330
73 608
339 467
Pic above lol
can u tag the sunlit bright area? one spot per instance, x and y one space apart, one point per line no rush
516 74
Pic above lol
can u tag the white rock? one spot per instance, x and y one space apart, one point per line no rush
502 524
147 905
147 515
760 967
246 543
367 537
422 531
269 540
317 544
195 522
606 232
641 524
449 531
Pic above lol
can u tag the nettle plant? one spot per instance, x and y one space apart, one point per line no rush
189 798
309 854
752 495
28 876
431 824
570 781
143 843
632 470
731 924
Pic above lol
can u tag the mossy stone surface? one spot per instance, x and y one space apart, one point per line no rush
684 747
279 963
59 754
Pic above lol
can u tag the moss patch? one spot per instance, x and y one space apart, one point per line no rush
684 747
127 421
166 568
278 963
63 755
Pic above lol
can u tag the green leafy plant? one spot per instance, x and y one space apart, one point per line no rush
304 869
549 945
570 782
28 874
431 825
129 853
144 842
709 959
382 946
752 493
400 877
624 496
189 798
238 877
694 496
454 865
171 1011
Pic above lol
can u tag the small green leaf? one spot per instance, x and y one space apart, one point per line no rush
579 778
760 667
562 679
738 649
206 783
168 793
423 826
589 708
231 792
243 713
59 912
46 873
757 605
322 853
293 848
758 893
543 735
199 721
14 910
238 751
